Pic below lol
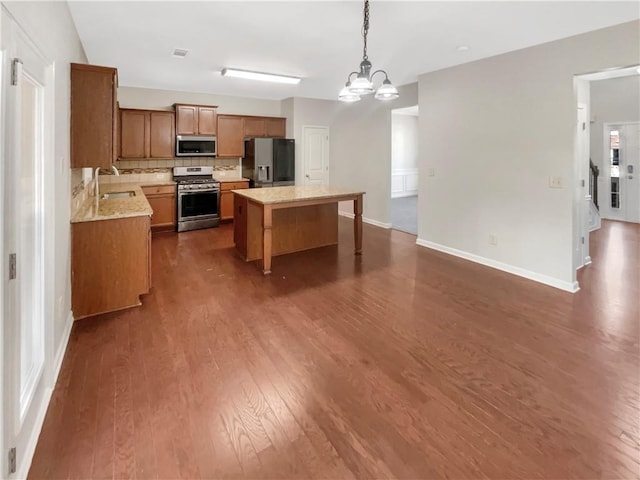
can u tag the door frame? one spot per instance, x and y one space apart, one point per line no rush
3 448
15 41
606 126
304 157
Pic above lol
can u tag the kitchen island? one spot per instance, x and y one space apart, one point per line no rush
279 220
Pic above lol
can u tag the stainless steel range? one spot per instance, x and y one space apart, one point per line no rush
198 198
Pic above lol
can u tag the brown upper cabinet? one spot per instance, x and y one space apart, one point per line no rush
265 127
230 136
147 134
94 116
195 119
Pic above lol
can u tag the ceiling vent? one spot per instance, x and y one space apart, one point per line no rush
180 52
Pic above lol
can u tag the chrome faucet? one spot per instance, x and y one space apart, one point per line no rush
97 172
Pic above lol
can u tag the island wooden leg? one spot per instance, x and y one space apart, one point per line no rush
357 224
267 219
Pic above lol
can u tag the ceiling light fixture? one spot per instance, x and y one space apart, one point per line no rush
265 77
363 84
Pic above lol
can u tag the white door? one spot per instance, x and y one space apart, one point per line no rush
622 157
24 382
315 142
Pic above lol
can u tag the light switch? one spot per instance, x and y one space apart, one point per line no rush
555 182
431 172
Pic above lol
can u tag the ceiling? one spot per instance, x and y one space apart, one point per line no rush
319 41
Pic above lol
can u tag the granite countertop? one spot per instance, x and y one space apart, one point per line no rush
158 183
113 208
293 194
231 179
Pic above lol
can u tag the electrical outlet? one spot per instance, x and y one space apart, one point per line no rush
493 239
555 182
431 172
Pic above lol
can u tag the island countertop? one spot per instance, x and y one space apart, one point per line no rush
273 195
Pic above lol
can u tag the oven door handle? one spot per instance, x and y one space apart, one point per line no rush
204 190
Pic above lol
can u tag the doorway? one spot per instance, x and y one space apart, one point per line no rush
27 243
315 144
404 169
621 158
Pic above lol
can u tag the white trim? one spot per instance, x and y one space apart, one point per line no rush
26 456
370 221
3 373
404 175
62 348
521 272
587 260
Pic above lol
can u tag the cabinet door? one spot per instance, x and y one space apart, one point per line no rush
164 210
226 205
230 136
134 134
206 121
254 127
186 119
276 127
162 136
93 105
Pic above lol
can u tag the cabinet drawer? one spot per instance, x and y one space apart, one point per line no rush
233 185
159 190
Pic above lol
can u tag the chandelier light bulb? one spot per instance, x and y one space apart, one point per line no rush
346 95
387 91
361 86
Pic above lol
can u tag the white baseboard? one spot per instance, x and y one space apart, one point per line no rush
62 348
30 448
587 260
370 221
521 272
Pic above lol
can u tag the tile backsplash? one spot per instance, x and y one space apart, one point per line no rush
81 187
180 162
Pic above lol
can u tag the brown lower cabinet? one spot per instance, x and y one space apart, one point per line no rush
110 264
163 203
226 198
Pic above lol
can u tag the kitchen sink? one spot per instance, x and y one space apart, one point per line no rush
126 194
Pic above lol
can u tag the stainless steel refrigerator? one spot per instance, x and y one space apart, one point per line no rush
269 162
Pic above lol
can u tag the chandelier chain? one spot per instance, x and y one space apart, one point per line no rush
365 29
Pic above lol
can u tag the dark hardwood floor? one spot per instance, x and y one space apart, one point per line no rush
404 363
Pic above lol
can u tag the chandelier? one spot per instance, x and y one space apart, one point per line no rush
363 83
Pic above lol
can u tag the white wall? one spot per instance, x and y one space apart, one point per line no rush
286 110
494 131
404 141
152 99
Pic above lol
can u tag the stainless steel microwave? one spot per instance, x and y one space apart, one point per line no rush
195 146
